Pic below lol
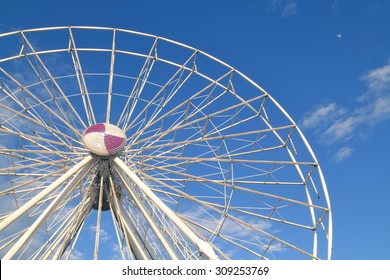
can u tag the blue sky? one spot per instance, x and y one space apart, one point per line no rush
326 62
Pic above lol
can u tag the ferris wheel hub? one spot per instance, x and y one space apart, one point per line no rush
104 139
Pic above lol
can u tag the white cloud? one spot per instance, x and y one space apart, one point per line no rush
234 229
322 115
378 79
343 153
334 124
376 100
116 251
104 236
287 8
275 4
381 109
342 129
335 6
76 255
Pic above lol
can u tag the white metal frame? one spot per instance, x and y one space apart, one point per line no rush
44 170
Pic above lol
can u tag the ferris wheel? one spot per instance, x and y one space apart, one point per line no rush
116 144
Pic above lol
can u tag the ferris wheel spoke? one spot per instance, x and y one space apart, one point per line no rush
211 86
177 81
42 66
227 89
71 144
270 218
26 157
40 102
120 220
12 96
36 139
189 178
184 162
138 88
172 197
175 145
11 239
116 218
111 78
37 152
271 236
117 233
32 120
184 123
184 175
261 231
161 230
39 177
184 104
39 164
38 206
16 130
81 80
192 160
22 159
177 193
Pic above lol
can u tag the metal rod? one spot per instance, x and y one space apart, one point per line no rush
109 93
81 81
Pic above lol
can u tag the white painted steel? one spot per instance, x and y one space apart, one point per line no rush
98 223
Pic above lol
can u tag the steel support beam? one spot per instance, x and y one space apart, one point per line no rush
128 185
49 210
25 207
203 247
